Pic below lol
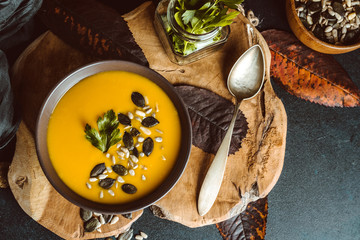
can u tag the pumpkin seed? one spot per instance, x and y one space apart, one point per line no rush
120 169
126 235
128 141
149 122
106 183
92 225
97 170
127 215
135 152
148 146
85 214
129 188
124 119
138 99
134 132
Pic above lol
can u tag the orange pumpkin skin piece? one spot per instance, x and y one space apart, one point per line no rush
307 74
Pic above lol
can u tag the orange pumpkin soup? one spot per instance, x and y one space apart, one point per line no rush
74 157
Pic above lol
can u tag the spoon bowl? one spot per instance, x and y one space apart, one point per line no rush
246 77
245 80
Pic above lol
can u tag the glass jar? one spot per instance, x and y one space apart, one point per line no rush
181 46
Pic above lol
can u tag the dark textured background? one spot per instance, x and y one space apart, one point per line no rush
318 193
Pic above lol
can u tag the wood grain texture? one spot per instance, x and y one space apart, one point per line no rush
262 154
260 159
52 59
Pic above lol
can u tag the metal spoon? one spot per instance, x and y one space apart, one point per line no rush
244 82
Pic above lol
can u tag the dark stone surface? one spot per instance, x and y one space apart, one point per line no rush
318 193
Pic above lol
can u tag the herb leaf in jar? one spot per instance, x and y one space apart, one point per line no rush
108 133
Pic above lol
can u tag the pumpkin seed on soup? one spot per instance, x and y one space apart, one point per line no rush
134 132
128 141
106 183
97 170
148 146
149 122
120 169
138 99
129 188
124 119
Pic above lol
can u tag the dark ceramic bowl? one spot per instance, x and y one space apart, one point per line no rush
67 83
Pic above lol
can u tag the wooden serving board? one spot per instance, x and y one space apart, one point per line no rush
260 160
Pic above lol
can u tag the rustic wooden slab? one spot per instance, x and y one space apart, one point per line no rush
259 160
37 70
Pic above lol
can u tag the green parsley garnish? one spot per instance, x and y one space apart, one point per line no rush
108 133
200 17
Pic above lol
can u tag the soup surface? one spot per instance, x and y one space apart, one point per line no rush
74 157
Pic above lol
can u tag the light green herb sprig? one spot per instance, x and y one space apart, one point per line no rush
200 17
108 134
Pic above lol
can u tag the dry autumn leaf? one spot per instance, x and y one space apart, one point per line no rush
307 74
210 118
248 225
92 27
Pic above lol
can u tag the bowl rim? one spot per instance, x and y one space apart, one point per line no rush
351 47
67 83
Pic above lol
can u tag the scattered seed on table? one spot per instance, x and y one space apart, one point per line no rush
101 219
120 179
88 185
101 194
143 177
132 172
97 214
144 235
114 220
93 179
158 139
85 214
111 192
139 237
145 130
92 225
